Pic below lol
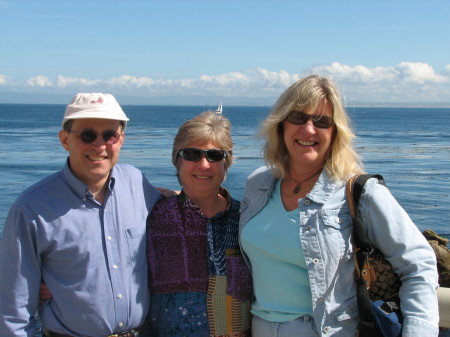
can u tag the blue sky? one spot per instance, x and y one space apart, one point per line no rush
378 52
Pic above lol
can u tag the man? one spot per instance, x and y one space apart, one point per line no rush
81 231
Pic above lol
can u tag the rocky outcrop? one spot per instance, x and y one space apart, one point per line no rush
439 245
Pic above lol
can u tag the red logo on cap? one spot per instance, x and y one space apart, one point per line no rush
99 100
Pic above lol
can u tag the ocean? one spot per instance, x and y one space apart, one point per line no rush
410 147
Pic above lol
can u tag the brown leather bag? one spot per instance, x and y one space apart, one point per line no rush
381 281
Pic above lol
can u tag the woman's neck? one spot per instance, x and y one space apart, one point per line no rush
301 171
297 186
210 204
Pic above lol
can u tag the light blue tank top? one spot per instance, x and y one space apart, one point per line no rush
280 278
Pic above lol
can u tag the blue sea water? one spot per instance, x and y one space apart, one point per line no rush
410 147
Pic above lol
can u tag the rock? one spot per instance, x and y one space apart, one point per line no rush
439 245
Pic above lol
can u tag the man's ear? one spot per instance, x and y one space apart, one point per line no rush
63 139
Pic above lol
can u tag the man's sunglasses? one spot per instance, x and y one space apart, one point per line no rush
193 154
89 136
319 121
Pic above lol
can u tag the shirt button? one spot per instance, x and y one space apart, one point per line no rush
120 324
109 237
119 296
316 261
307 202
114 266
326 329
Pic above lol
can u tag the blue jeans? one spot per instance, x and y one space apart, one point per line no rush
301 327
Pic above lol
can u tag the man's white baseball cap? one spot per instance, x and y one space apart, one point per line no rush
94 105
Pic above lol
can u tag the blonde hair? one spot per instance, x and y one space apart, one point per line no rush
208 127
309 93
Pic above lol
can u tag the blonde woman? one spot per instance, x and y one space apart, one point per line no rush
295 226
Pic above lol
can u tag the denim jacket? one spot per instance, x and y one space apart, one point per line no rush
325 230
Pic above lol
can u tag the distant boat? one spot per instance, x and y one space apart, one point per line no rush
219 108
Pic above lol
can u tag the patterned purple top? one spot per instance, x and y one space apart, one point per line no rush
199 283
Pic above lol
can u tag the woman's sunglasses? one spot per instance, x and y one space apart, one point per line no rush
319 121
193 154
89 136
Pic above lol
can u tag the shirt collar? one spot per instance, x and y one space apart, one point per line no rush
323 188
79 187
268 180
189 203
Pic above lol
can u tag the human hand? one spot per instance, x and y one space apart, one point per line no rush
44 293
166 193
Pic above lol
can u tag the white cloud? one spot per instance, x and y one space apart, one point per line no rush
447 69
39 81
127 80
63 82
257 83
357 74
420 73
3 79
401 83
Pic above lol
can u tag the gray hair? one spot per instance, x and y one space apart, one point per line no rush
208 127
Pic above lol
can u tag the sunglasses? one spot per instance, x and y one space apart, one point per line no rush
89 136
193 154
300 118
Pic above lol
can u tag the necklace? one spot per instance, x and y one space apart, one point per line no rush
299 183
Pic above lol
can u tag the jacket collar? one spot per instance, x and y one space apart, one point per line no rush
321 192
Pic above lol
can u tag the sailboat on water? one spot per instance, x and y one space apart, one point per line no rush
219 108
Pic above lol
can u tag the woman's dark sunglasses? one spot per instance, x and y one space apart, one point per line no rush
89 136
319 121
193 154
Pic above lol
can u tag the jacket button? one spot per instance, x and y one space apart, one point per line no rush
307 202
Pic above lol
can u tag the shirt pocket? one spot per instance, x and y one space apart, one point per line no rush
336 227
335 219
239 279
137 246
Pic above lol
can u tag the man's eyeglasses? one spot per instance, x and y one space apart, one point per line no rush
319 121
89 136
193 154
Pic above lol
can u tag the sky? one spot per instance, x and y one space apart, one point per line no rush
243 52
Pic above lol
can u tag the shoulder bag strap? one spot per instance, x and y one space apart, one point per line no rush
363 248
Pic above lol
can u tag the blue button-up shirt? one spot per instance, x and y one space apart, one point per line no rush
325 229
90 255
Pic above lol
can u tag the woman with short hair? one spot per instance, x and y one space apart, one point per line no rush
199 283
